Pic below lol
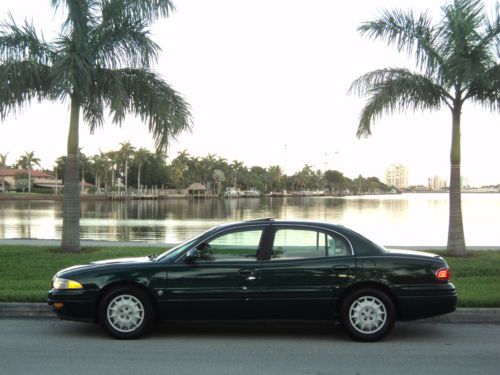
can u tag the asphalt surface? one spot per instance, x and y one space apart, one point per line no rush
57 347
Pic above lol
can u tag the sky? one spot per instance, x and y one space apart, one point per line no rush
267 82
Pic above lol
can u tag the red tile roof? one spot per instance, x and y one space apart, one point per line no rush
6 172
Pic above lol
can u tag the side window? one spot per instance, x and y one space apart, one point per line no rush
241 246
305 243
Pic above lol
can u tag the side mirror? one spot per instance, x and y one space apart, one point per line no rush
192 255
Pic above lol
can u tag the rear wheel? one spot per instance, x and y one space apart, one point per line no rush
126 312
368 314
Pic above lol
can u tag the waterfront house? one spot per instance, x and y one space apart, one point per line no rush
38 178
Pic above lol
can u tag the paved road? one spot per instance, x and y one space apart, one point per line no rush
56 347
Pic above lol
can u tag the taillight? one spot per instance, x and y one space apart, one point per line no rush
443 274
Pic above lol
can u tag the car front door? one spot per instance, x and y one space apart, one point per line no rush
306 269
222 280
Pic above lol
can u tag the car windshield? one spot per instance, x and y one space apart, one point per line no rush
181 247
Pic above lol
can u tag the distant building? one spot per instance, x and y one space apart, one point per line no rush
38 178
396 175
436 183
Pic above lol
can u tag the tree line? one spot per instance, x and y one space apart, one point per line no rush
140 168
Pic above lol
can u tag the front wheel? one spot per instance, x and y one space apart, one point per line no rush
126 312
368 314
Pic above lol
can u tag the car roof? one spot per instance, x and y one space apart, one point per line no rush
270 220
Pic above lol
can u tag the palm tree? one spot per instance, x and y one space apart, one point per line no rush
99 60
126 151
83 161
235 167
275 177
27 161
3 164
141 157
108 166
457 61
99 168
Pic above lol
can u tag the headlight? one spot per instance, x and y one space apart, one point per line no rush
59 283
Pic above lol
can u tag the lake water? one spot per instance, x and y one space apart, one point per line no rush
407 219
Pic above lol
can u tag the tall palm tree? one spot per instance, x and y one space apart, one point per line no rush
28 161
3 164
99 60
457 61
141 157
83 161
99 169
126 152
107 168
275 177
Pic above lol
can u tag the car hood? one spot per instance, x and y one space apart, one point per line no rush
421 254
123 260
106 262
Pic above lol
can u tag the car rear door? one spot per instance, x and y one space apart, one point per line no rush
306 269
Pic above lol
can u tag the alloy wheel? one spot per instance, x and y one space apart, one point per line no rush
367 314
125 313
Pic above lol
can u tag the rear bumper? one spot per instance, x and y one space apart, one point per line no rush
76 305
428 303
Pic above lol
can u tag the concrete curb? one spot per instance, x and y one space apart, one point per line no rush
23 310
19 310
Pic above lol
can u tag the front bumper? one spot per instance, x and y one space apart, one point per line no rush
78 305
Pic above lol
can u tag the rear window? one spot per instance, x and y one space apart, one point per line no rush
364 246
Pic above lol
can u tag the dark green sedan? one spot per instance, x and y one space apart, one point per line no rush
261 269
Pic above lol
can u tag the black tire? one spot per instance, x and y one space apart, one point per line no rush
131 312
368 314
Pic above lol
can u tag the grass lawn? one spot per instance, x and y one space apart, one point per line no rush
26 272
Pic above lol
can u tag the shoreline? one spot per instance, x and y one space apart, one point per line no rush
91 197
107 243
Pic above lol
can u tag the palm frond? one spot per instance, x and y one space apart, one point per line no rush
486 89
392 90
463 42
23 43
126 43
408 32
491 36
141 92
93 109
20 83
148 10
81 16
72 70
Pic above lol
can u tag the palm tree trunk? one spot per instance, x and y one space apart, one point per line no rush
456 240
126 175
29 180
71 200
139 179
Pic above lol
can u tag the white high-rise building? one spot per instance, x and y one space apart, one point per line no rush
396 175
436 183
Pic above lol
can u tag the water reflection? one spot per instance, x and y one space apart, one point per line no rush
410 219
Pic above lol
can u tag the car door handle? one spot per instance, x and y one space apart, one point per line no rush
249 274
341 267
247 271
